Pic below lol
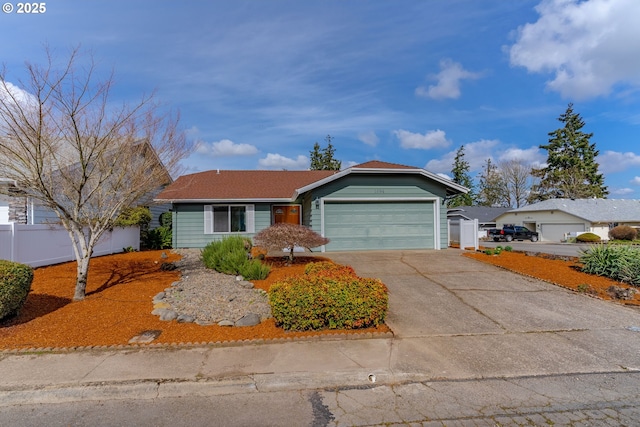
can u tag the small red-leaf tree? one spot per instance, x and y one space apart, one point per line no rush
287 236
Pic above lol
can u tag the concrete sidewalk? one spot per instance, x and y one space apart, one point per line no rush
453 318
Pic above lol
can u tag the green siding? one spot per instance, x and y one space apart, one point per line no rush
188 225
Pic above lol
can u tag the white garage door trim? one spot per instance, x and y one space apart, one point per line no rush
436 211
566 227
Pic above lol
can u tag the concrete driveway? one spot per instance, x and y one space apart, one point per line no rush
457 317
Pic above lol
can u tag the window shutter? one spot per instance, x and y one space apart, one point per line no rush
208 219
250 218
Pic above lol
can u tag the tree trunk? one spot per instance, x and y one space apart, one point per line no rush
81 279
291 254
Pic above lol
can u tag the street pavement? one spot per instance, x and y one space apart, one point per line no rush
472 345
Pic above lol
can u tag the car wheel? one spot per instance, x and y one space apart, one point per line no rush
508 238
534 238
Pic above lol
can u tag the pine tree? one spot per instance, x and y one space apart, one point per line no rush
571 170
324 159
491 186
460 172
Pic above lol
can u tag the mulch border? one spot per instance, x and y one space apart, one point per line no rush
235 343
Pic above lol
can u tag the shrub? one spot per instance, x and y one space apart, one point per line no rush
588 238
617 262
488 251
15 284
508 248
328 268
283 235
130 217
231 256
623 232
322 301
158 238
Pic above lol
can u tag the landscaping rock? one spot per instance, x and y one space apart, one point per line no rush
226 323
159 297
245 284
250 319
168 316
185 318
618 292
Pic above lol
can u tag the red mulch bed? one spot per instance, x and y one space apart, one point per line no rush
118 307
565 273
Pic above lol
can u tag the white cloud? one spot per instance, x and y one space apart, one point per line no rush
431 139
277 161
622 191
9 90
531 156
449 78
614 161
636 180
475 153
225 148
589 46
369 138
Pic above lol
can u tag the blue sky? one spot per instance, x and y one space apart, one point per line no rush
258 82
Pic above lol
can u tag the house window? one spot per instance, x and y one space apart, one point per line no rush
228 219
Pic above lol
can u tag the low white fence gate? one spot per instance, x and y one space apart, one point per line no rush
39 245
464 232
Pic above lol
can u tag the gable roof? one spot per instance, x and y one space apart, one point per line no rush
239 185
593 210
265 185
483 214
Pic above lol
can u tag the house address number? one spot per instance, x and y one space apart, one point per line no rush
378 191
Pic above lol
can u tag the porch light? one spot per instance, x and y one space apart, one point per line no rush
317 201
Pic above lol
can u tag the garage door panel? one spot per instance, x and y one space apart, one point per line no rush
379 225
555 232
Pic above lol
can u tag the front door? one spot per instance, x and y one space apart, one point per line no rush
291 214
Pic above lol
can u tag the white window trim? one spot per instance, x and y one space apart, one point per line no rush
208 218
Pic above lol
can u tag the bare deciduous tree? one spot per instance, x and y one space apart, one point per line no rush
283 235
68 147
517 181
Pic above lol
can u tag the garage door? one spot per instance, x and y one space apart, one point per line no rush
556 232
379 225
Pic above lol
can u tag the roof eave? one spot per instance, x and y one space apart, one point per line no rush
267 200
448 183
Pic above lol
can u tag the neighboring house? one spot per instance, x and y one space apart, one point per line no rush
374 205
486 216
554 219
17 207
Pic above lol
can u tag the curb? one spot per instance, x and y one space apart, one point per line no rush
157 389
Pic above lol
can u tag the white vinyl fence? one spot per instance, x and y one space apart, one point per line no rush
38 245
464 232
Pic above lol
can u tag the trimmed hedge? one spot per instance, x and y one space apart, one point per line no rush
15 284
588 238
231 256
328 296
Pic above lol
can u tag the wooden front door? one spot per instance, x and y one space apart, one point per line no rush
291 214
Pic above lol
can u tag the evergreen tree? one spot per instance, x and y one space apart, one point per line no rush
491 186
571 170
460 172
323 159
